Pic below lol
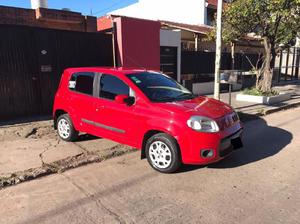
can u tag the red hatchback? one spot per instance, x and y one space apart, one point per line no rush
146 110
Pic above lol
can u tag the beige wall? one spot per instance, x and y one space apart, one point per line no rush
211 46
188 43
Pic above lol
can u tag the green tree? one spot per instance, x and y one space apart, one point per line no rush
276 22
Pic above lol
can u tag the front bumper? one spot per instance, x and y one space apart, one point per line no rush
222 144
230 143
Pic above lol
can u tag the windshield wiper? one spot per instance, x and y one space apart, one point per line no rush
186 96
165 99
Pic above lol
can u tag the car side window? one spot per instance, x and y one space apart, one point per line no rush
111 86
82 82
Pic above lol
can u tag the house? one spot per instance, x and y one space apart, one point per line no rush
194 18
142 43
160 45
48 18
195 12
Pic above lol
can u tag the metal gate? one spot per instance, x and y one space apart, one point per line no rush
32 61
168 61
287 65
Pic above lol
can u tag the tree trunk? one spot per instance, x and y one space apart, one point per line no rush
264 84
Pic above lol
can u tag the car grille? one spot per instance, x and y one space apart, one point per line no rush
230 143
228 121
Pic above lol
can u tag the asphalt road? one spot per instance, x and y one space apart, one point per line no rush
259 184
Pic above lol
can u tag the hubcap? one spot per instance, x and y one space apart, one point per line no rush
160 155
64 128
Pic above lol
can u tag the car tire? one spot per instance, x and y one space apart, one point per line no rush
65 128
163 153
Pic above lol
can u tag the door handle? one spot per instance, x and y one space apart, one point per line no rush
100 108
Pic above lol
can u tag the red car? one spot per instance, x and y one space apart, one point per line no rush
146 110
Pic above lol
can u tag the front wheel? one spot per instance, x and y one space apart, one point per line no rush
163 153
65 128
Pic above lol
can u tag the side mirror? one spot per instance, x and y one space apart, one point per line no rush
121 98
124 99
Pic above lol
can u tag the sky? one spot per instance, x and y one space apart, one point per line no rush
86 7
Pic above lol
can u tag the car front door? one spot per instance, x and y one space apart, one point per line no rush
114 120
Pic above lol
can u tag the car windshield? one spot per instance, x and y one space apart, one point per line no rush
159 87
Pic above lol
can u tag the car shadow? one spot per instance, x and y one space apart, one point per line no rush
86 137
260 142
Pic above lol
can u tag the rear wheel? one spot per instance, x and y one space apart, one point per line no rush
65 128
163 153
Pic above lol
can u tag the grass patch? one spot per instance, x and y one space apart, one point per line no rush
256 92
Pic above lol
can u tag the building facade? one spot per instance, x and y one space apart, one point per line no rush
48 18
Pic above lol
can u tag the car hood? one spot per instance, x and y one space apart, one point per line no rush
202 106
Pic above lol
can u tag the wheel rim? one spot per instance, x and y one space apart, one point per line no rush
160 155
64 129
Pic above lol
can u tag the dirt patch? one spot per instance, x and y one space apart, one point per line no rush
34 130
37 145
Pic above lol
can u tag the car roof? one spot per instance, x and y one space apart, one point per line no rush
109 70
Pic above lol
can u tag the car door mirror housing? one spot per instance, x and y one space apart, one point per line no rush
129 100
121 98
124 99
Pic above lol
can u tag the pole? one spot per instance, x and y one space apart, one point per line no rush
218 50
113 36
232 55
230 90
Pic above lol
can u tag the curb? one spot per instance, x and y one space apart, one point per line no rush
285 107
272 110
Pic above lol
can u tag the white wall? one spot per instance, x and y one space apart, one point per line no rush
172 38
206 88
182 11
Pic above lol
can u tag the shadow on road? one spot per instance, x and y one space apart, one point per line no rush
260 141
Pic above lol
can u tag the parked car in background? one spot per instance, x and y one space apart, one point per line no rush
146 110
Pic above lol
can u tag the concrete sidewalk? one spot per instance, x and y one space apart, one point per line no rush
34 149
260 109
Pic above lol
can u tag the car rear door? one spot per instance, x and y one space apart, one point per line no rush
82 101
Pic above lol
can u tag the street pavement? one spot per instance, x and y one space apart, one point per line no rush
258 184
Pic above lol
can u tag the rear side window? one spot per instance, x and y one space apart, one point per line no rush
111 86
82 82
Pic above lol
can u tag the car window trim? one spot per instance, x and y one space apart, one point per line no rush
99 88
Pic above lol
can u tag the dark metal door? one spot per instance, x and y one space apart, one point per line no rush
32 61
168 61
18 73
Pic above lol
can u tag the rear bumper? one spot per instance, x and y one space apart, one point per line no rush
221 144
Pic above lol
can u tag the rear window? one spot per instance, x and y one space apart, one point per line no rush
82 82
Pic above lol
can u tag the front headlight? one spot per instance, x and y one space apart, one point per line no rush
203 124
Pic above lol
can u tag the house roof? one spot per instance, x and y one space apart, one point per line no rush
201 29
